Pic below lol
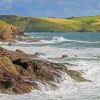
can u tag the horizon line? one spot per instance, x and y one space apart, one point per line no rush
46 17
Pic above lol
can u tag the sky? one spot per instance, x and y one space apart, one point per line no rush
50 8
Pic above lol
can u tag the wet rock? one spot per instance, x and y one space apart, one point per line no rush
98 56
76 76
6 83
11 78
21 88
38 54
20 72
64 56
7 66
19 51
76 56
9 44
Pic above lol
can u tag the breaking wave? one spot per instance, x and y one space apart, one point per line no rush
62 39
54 40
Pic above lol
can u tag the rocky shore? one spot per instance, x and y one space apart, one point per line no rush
20 72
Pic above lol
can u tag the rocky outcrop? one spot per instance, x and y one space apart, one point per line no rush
20 72
5 32
9 32
11 81
16 31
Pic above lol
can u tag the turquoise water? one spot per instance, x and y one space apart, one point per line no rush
70 39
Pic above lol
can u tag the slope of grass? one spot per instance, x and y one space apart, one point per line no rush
21 22
37 24
90 23
85 19
96 22
59 20
42 24
94 26
31 24
53 24
66 23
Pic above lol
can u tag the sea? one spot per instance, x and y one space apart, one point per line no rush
80 49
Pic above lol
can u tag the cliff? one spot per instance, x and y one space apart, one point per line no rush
8 32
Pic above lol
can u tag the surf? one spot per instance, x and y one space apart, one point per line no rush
82 59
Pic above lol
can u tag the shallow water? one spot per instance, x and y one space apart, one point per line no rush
87 48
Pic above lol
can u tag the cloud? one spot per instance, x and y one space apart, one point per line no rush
58 8
6 4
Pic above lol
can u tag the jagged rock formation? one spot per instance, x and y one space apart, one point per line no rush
20 72
9 32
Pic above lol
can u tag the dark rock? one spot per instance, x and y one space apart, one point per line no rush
22 88
64 56
9 44
17 67
76 56
76 76
19 51
38 54
6 83
16 31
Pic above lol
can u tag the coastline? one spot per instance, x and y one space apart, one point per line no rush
41 66
47 71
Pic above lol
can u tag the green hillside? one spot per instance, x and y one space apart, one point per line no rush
90 23
72 24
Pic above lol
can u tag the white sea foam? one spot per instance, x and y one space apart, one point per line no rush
82 41
54 40
40 40
62 39
68 88
55 52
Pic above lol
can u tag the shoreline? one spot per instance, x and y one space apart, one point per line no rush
27 69
22 62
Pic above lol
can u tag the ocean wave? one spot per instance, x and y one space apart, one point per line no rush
31 35
62 39
54 40
39 37
82 41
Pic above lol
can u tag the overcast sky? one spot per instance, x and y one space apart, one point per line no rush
50 8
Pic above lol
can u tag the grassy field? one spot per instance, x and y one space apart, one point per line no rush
90 23
72 24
